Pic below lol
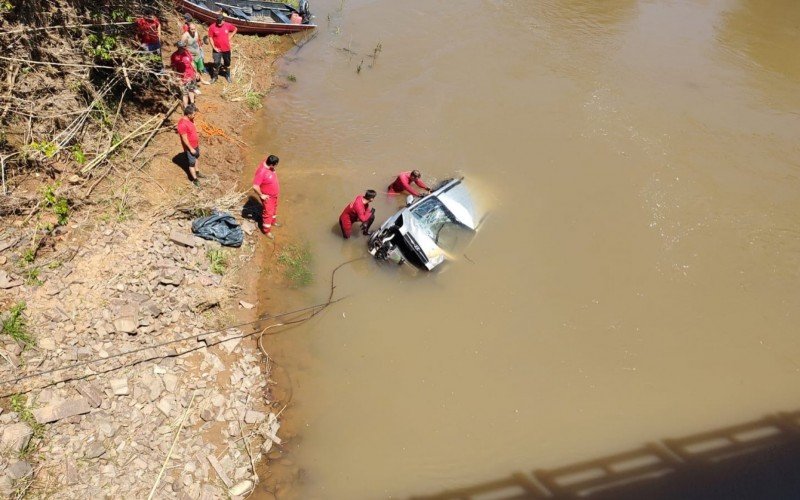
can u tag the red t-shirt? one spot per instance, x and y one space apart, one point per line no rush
186 126
357 210
182 62
219 35
267 180
147 30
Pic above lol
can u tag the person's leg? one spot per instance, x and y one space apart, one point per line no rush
268 216
197 174
155 50
226 56
216 66
192 160
200 65
274 211
346 226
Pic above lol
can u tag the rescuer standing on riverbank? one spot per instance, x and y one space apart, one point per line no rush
220 34
265 184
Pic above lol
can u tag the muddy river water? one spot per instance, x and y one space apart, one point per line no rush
637 277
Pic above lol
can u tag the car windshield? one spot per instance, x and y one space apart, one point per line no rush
432 216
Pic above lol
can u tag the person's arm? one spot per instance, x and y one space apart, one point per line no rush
211 41
407 185
362 213
261 195
185 141
418 182
159 31
231 33
259 179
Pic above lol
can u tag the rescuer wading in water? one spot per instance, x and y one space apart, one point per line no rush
358 210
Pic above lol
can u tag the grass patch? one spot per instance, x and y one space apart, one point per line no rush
19 405
78 154
218 260
253 100
291 78
15 327
28 256
296 262
32 276
119 206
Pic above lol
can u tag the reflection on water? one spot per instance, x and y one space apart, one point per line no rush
637 276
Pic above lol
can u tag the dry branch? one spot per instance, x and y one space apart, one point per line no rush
105 154
150 137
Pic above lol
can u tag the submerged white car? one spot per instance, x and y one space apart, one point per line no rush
429 229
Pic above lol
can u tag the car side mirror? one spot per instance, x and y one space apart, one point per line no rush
409 200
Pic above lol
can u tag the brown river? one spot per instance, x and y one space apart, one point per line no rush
636 279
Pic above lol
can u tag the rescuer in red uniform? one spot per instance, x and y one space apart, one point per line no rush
404 181
265 184
358 210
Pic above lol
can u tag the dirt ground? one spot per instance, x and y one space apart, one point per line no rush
118 217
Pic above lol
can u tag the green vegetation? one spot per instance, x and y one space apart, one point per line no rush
120 208
296 262
15 327
102 46
28 256
218 260
291 78
47 148
32 276
253 99
58 204
121 15
19 405
5 6
78 154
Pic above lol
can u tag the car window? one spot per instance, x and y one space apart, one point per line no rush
432 217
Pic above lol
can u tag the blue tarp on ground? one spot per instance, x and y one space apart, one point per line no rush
220 226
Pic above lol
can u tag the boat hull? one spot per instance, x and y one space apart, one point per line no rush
207 17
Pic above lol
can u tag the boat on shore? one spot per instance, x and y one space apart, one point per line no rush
250 16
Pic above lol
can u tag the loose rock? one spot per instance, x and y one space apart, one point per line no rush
254 417
182 238
15 437
18 470
65 409
120 386
92 394
94 450
241 488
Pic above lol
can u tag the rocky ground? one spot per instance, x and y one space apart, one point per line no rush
111 433
132 374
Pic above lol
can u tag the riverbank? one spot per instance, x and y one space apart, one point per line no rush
125 375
